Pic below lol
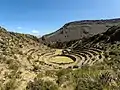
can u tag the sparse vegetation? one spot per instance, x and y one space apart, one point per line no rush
27 64
40 84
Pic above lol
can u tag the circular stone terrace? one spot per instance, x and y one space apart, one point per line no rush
73 60
61 60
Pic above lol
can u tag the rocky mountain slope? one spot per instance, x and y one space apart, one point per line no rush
80 29
15 59
88 64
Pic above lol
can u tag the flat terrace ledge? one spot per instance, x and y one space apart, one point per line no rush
63 59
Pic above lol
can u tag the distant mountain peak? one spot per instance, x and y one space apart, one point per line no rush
81 29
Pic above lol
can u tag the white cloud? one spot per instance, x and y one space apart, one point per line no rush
19 27
35 31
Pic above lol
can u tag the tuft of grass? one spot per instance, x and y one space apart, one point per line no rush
40 84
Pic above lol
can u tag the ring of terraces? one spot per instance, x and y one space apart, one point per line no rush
55 59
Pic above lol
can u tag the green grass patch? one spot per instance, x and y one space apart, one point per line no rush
61 59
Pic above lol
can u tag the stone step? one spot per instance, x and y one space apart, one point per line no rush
93 52
88 53
97 50
83 55
80 61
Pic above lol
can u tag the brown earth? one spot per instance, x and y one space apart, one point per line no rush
92 63
80 29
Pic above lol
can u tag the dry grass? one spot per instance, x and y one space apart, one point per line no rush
61 59
23 66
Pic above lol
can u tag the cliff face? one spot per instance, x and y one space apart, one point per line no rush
80 29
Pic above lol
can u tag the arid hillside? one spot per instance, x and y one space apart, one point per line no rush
80 29
16 66
86 64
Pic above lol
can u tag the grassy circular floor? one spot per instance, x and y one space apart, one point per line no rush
61 59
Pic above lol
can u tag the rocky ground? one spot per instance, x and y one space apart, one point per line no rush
88 64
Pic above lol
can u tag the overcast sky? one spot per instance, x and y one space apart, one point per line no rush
44 16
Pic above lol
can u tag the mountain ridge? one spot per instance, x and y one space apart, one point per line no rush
80 29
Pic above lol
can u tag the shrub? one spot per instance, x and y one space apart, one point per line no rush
39 84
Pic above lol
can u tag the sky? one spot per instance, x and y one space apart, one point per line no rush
40 17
